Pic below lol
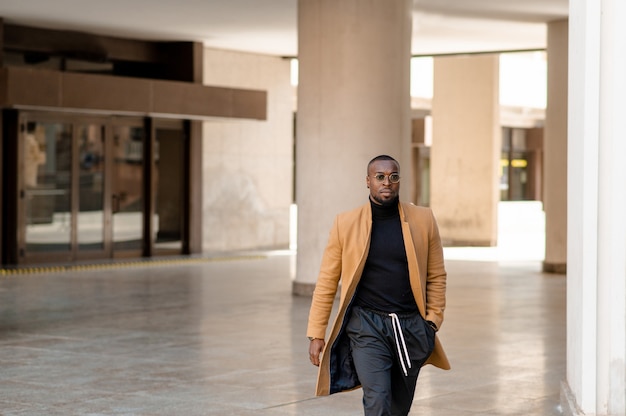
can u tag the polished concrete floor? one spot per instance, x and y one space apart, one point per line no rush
224 336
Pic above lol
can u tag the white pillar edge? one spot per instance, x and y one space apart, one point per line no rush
611 345
582 197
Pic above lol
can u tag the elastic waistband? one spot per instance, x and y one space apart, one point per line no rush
382 313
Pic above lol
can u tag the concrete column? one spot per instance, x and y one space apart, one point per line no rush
596 231
353 104
465 154
555 150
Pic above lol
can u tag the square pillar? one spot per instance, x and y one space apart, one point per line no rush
465 154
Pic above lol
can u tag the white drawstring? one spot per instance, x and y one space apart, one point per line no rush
395 323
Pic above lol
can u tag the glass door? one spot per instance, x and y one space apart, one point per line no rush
76 202
46 191
169 168
127 189
90 181
61 214
87 192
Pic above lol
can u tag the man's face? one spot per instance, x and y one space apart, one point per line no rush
382 192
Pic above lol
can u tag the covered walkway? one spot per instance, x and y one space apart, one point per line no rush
224 336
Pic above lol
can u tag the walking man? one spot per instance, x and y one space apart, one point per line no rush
388 257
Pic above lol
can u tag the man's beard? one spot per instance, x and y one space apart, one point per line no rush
386 202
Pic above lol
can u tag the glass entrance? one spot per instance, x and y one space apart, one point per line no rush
169 187
127 189
81 188
90 227
63 188
84 192
46 165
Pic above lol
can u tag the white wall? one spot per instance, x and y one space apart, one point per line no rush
596 203
247 165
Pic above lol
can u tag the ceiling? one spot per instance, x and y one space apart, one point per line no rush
270 26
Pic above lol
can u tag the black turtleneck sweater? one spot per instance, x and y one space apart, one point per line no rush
384 285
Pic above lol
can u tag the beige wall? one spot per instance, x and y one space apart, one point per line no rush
465 153
247 165
555 150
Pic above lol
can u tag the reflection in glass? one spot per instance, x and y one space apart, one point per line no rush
90 227
127 187
47 162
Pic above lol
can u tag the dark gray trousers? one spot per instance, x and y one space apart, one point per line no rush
387 391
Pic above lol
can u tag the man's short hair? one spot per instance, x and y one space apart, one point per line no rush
381 157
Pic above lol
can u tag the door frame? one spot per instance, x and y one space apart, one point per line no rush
182 127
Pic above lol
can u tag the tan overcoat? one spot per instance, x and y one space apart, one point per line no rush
343 261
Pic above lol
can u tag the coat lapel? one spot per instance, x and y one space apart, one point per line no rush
365 236
411 256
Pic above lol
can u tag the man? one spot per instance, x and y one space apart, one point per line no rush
389 259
